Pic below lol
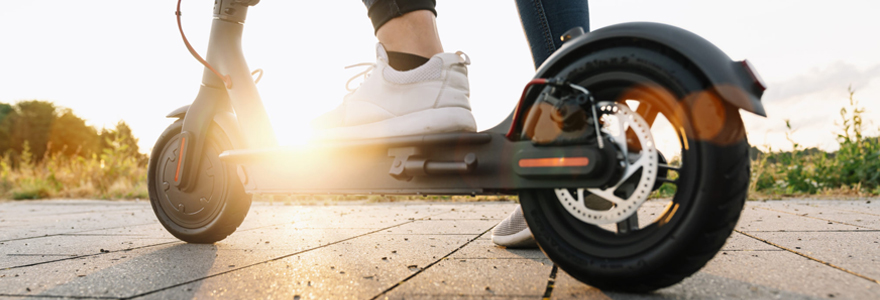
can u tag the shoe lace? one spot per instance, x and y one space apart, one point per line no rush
365 74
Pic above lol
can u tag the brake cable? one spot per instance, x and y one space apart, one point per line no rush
225 78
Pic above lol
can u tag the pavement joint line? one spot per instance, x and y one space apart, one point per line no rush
84 212
430 265
498 258
82 256
391 233
551 282
55 296
752 250
813 205
38 254
137 236
270 260
854 211
75 232
479 219
811 258
811 217
868 230
264 226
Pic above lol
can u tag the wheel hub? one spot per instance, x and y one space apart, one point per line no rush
632 136
195 208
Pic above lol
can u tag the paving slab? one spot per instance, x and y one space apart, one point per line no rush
355 269
46 249
854 215
472 278
855 251
744 275
793 249
756 217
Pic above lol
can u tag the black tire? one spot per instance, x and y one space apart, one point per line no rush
214 208
710 192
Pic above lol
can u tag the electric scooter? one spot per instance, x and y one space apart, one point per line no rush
579 150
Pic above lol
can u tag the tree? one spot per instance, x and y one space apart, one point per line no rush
70 135
32 123
122 134
7 114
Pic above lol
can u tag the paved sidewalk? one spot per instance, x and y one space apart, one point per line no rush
800 249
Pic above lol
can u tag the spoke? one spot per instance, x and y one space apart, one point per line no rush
607 195
667 180
662 167
630 224
633 167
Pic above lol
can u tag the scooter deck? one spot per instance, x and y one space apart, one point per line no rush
480 163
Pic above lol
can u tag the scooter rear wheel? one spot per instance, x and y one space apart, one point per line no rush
216 205
710 190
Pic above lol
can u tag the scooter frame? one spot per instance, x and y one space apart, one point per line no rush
487 162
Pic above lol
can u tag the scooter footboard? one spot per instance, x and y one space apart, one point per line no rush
448 164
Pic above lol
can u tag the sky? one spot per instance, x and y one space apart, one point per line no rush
123 60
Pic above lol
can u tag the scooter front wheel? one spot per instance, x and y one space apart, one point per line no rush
217 204
666 240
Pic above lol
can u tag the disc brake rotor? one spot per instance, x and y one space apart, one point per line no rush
618 202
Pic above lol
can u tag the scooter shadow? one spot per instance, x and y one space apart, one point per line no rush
125 274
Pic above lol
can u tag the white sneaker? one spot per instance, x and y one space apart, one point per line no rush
432 98
513 232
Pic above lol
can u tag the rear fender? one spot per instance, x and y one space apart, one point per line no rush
733 80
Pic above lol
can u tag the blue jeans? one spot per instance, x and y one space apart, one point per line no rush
544 21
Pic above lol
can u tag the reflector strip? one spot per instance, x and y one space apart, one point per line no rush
179 158
554 162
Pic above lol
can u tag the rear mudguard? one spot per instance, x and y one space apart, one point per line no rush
732 80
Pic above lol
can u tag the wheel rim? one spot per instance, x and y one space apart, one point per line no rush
200 206
628 237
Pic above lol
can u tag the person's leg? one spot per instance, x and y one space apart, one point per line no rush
544 22
407 29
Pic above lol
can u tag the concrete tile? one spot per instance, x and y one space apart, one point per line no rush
698 286
24 252
740 242
789 272
151 230
127 273
355 269
855 251
286 237
486 249
507 278
848 214
743 275
757 219
480 211
76 223
471 227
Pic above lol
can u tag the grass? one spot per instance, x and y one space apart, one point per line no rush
112 174
853 171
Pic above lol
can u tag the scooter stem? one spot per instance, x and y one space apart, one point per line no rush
224 52
241 98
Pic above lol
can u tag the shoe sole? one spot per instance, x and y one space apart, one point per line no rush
522 239
437 120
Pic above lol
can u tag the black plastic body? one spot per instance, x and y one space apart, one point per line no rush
368 166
